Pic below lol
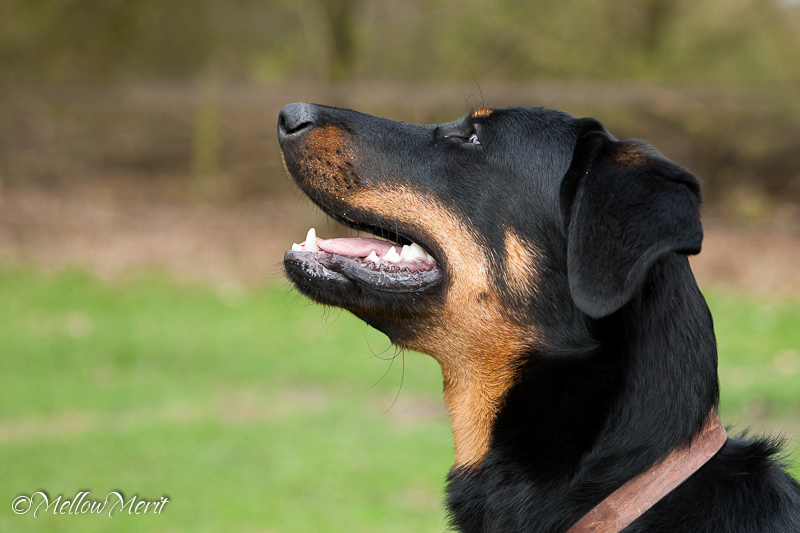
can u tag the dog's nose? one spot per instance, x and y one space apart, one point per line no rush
294 120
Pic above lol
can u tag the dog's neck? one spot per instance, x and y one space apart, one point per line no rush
668 382
583 424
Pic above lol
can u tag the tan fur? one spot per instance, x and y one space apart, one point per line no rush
520 266
631 156
327 156
325 140
482 112
476 345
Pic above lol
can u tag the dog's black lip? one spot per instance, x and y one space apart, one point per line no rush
333 268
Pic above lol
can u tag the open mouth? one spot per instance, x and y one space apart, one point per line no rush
376 263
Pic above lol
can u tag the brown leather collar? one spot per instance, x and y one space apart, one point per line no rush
632 499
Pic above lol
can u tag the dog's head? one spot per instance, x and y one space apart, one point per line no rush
520 226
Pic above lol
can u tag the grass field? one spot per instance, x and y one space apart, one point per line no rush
252 410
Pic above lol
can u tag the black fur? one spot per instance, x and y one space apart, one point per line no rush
626 366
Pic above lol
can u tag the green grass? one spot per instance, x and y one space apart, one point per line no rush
759 347
253 410
249 410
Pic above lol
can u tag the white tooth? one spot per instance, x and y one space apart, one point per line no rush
425 255
406 254
421 251
412 253
297 247
373 257
311 241
391 256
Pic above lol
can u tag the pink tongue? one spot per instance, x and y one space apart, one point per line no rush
355 247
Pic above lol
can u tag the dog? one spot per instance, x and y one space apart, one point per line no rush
544 265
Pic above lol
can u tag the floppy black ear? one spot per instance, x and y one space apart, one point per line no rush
624 205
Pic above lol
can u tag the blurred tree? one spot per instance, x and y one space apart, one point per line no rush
96 40
329 28
86 39
674 41
658 15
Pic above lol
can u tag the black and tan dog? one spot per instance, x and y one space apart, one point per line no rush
543 264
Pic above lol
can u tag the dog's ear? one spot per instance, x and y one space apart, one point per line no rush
624 205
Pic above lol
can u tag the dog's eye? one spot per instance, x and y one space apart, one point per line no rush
474 139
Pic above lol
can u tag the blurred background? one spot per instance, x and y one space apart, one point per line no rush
148 341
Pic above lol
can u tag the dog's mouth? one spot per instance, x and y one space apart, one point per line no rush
397 266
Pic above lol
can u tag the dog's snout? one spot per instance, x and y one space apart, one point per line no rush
294 120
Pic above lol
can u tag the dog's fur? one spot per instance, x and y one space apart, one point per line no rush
575 345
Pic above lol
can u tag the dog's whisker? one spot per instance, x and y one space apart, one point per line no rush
374 353
385 373
402 378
